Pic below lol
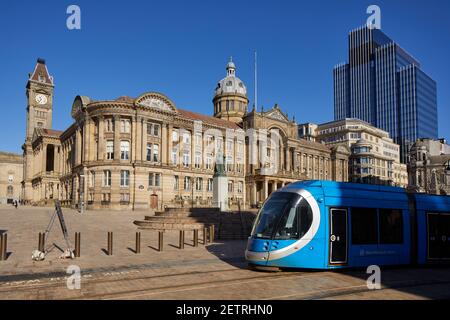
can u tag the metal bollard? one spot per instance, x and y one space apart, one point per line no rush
160 241
181 246
41 244
3 246
77 244
110 243
211 233
138 243
205 236
196 238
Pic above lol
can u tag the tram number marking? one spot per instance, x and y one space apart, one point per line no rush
333 238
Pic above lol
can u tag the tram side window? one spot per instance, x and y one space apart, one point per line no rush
391 226
364 226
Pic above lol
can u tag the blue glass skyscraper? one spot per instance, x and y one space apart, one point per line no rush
384 85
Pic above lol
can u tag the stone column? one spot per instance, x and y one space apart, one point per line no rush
266 189
254 193
134 145
138 141
144 140
101 139
116 137
56 159
78 146
169 144
86 132
44 157
164 144
288 159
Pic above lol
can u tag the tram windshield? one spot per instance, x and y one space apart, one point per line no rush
284 216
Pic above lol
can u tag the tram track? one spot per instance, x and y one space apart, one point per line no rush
156 285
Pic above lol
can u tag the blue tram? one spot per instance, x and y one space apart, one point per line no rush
326 225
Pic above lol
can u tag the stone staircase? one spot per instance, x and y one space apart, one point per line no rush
227 225
180 219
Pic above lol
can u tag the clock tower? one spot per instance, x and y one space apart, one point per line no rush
39 99
39 93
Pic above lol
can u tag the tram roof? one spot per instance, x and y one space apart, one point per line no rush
345 185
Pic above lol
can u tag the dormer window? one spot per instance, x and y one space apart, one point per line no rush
41 78
229 83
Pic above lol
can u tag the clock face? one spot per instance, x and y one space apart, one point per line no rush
41 99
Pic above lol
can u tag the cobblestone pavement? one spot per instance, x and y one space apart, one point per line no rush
217 271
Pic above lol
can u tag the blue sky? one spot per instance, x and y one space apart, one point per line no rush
180 48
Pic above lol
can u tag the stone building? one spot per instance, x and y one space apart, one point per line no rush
429 167
11 170
375 158
145 152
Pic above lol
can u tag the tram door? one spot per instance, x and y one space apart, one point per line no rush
338 236
438 236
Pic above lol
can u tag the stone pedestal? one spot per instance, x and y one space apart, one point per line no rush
220 192
220 185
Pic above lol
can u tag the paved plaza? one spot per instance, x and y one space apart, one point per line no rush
217 271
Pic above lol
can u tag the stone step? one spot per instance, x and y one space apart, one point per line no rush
183 214
176 220
168 226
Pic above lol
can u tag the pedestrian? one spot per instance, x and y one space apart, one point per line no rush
15 204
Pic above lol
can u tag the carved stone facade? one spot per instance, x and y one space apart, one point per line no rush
11 170
144 152
375 158
429 167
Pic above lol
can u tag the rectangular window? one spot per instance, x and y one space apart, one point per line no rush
186 158
391 226
230 186
209 162
210 185
106 197
198 160
91 179
240 187
149 128
364 226
150 179
176 183
124 178
109 125
125 198
156 130
107 178
124 150
149 152
155 153
175 156
187 183
157 179
110 149
198 184
175 136
125 126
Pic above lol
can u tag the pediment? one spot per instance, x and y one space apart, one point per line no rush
79 104
277 114
156 101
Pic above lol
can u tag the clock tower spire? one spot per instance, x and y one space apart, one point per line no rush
39 93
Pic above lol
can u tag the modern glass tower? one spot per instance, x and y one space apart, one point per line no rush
384 85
